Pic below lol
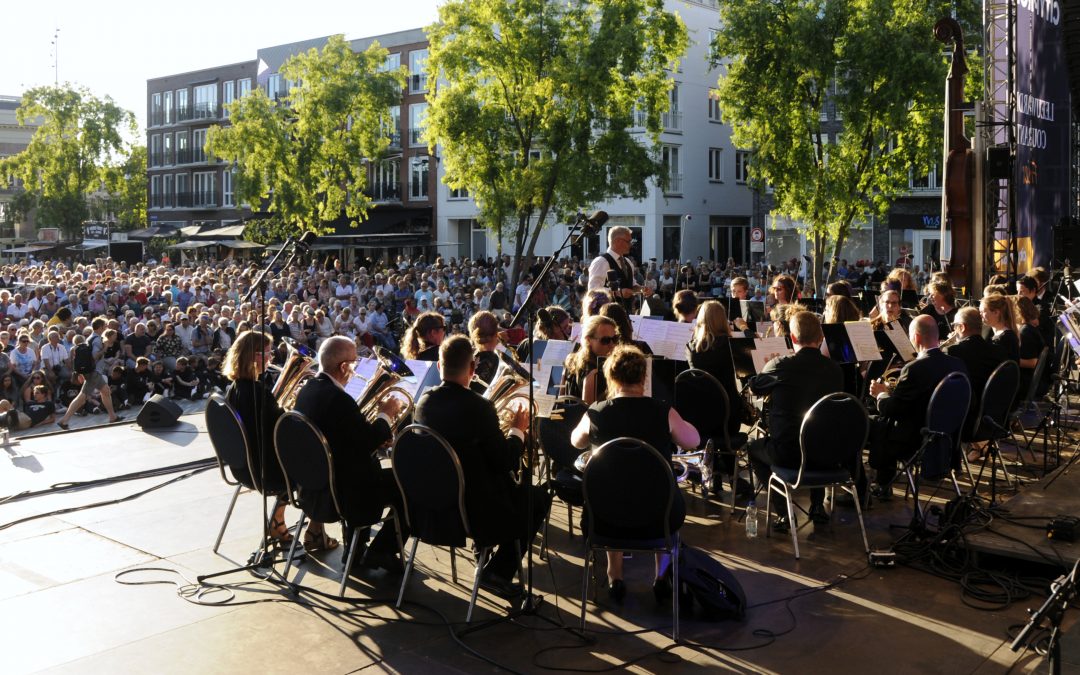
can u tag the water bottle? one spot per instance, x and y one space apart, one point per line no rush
751 520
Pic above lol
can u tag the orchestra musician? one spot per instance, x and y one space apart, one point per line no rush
941 305
998 314
365 488
783 289
895 432
623 328
1031 346
628 412
599 336
685 305
839 309
422 339
484 333
620 241
979 357
793 383
244 365
1028 287
889 310
497 509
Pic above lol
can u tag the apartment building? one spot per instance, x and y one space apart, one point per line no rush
187 186
14 138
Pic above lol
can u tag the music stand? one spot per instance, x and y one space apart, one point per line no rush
1063 591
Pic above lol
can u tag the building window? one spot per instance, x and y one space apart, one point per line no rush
183 190
183 148
170 116
386 181
156 115
417 72
167 149
392 63
155 150
925 180
183 110
198 143
417 115
205 101
391 126
168 191
418 177
672 238
459 193
742 166
203 194
275 88
714 106
673 118
479 240
227 198
716 165
228 94
155 192
243 87
672 168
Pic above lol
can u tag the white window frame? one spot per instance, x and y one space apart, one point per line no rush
418 189
716 165
417 72
182 101
392 62
200 181
170 113
417 118
243 87
205 96
155 190
182 139
674 168
198 150
742 165
168 192
155 150
228 95
155 109
168 156
713 99
228 197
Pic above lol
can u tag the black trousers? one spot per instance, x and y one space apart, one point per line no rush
889 443
762 460
534 501
386 493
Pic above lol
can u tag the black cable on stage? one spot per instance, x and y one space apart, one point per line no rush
70 486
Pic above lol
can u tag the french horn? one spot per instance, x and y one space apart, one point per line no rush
383 384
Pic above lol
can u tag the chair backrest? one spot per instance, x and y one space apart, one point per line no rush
1036 378
229 440
304 456
628 484
945 417
835 429
554 435
998 397
429 475
701 400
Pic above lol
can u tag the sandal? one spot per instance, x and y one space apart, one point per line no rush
319 541
279 531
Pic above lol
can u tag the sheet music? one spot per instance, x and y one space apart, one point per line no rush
901 342
645 309
766 349
862 340
363 369
651 331
575 331
635 320
420 373
544 404
666 338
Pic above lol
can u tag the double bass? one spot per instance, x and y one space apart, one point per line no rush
956 198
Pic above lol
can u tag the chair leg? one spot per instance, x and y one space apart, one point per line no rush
967 467
791 519
353 542
585 583
408 571
520 557
480 560
228 515
913 489
453 564
292 548
858 514
547 532
768 507
956 485
675 590
570 519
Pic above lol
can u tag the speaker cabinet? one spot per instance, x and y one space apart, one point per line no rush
159 412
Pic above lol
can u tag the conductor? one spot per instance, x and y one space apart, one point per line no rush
614 271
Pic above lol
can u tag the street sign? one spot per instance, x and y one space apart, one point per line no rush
757 240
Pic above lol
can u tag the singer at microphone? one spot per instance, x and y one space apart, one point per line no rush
621 282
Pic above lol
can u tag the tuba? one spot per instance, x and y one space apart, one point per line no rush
504 394
298 369
383 384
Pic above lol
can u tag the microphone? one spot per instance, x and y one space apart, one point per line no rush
589 225
306 240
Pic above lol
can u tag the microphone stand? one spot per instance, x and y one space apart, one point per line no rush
263 559
530 605
1063 591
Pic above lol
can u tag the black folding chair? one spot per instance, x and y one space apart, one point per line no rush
559 456
233 450
628 483
936 456
702 401
308 465
991 424
1033 414
833 434
429 475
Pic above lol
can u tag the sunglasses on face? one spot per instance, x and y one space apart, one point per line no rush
607 340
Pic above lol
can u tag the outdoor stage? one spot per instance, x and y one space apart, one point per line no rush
61 609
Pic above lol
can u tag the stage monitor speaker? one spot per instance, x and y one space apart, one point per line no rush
1067 244
159 412
998 162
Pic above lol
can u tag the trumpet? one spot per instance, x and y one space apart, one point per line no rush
298 369
953 338
383 384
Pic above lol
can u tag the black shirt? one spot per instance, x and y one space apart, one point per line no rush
139 344
645 419
38 412
1008 343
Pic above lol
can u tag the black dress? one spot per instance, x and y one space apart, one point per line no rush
1031 346
1008 343
252 400
642 418
717 362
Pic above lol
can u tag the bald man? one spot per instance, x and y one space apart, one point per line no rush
895 431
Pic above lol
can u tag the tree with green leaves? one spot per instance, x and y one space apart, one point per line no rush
77 137
304 156
125 185
876 62
536 100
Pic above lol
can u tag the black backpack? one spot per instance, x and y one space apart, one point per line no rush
83 361
704 579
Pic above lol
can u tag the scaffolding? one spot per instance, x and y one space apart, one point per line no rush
998 129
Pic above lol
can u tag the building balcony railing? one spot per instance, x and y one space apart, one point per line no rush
184 156
206 111
672 121
674 186
157 118
184 114
155 159
156 201
384 192
395 140
640 118
204 199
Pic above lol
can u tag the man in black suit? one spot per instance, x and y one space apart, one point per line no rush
895 433
979 355
793 383
497 509
365 488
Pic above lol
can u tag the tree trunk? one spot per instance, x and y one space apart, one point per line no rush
835 262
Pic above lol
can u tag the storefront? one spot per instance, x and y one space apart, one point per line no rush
915 240
784 240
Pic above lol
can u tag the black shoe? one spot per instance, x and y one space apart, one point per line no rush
844 499
387 561
781 525
504 588
883 493
743 490
617 590
818 514
661 590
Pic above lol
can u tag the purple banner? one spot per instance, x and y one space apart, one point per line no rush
1042 127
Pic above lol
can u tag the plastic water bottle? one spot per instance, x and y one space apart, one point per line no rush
751 520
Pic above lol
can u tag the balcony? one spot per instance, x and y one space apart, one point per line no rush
384 191
672 121
206 111
184 156
640 119
184 113
157 118
674 186
395 140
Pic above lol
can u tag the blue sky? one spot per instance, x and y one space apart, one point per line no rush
113 46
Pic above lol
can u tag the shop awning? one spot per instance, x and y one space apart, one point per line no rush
240 244
88 246
185 245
